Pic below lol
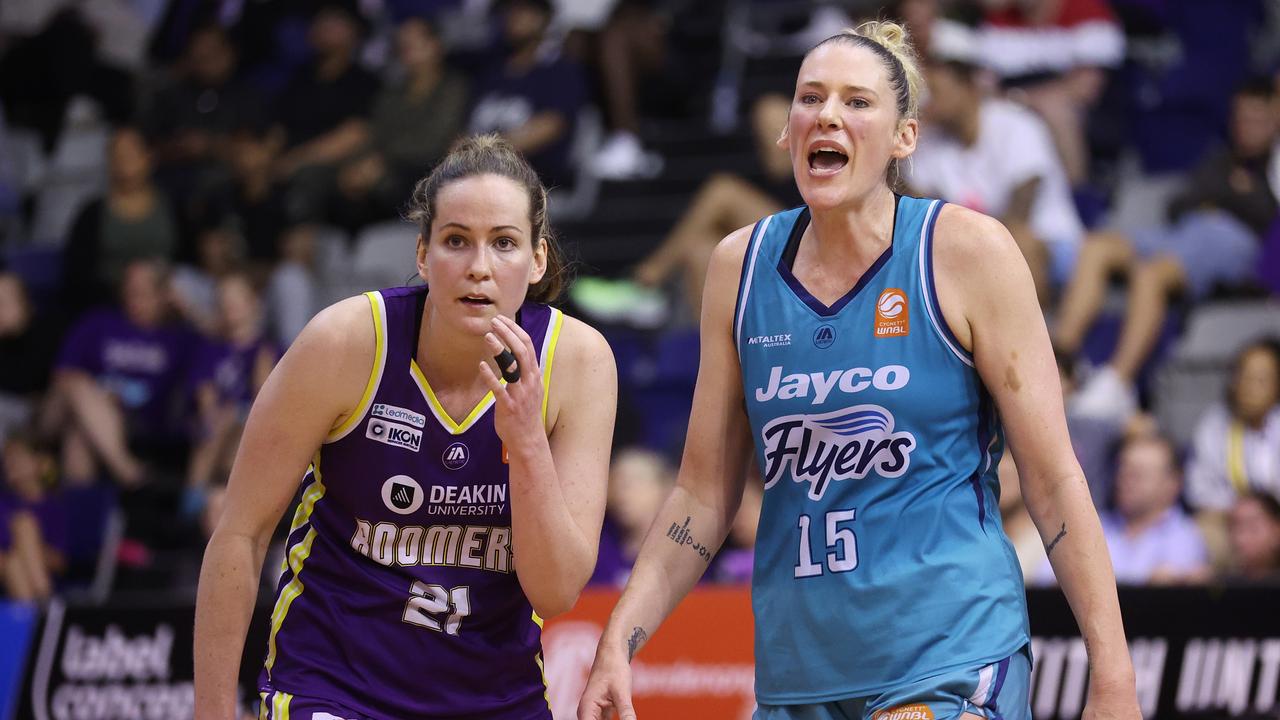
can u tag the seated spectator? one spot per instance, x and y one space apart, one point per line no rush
114 384
225 378
194 287
413 122
190 119
28 345
133 222
995 157
252 200
1255 538
1213 238
1151 539
639 481
323 113
634 52
33 522
722 204
1056 53
1236 448
533 97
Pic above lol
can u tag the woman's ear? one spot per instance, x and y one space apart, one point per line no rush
905 141
539 267
421 257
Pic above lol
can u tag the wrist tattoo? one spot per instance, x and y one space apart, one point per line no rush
638 635
1054 543
681 535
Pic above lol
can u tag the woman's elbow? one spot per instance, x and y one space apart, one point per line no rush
551 604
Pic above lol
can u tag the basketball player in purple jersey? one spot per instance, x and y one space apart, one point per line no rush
444 510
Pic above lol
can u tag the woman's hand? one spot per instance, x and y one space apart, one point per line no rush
518 417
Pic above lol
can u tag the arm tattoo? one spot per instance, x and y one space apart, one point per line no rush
638 635
1048 549
680 535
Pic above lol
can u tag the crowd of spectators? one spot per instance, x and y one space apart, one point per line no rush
139 317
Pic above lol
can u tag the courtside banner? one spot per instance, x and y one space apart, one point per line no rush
121 662
698 665
1198 653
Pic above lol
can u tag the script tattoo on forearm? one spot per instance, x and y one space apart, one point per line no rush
680 535
1048 549
638 635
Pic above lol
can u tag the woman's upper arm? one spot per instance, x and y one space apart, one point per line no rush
987 296
719 437
586 379
317 383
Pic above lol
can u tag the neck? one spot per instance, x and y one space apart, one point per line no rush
423 79
457 368
256 186
244 334
965 127
524 56
1141 523
131 201
329 67
855 232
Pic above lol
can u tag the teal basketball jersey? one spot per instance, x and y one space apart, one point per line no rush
880 557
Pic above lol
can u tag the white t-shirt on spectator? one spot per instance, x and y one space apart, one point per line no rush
1228 459
1013 146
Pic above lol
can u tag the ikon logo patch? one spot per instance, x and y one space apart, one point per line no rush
390 433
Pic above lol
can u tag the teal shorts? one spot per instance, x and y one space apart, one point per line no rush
999 691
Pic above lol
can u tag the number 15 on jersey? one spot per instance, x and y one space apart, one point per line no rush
841 544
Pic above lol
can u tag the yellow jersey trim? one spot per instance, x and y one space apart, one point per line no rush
547 360
378 307
437 409
294 560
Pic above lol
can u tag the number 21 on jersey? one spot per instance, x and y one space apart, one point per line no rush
428 602
841 544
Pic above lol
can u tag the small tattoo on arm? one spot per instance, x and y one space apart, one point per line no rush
638 635
1048 549
681 535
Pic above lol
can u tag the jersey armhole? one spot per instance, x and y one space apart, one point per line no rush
929 291
379 310
547 359
745 277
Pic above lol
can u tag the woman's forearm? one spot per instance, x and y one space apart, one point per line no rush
224 606
1064 514
684 537
553 557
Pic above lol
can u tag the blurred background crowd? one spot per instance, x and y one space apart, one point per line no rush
184 183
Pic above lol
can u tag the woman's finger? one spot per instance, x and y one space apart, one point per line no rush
522 348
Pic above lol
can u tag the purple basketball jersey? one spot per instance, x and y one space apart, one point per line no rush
398 596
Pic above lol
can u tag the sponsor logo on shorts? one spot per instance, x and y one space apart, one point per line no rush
918 711
893 318
455 456
389 433
399 414
402 494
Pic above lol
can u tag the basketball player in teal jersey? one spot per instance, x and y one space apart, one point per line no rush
869 346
